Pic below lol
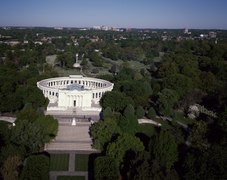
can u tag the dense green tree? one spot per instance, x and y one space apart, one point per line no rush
197 136
66 59
140 167
115 100
129 111
11 150
32 94
10 168
139 91
49 127
111 51
143 171
128 122
5 133
96 59
167 98
208 82
140 112
167 68
210 164
178 82
125 73
36 167
106 168
123 145
103 131
165 149
107 112
28 134
151 113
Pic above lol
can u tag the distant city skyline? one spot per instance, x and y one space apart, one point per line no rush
171 14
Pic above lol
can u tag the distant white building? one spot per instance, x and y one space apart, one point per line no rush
74 94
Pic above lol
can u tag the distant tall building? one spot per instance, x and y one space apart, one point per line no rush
185 30
212 34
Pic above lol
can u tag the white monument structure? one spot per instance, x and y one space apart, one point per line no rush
75 95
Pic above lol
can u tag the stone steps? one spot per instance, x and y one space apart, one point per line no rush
69 146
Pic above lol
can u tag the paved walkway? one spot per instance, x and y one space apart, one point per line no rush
8 119
54 174
72 138
71 162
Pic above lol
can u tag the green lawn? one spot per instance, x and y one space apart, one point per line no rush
59 162
4 123
67 72
71 178
81 162
51 59
147 129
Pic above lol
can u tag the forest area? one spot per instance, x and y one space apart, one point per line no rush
173 77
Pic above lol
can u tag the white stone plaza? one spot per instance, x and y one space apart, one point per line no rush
74 95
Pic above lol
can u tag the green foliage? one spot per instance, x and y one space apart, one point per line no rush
128 122
124 143
106 168
178 82
5 133
33 129
125 74
36 167
115 100
140 112
208 82
96 59
129 111
197 136
32 94
28 114
11 150
143 171
29 135
66 59
166 100
111 51
49 126
165 149
9 169
103 131
139 91
19 88
107 112
151 113
210 164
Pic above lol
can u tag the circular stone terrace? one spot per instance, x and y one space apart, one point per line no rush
75 95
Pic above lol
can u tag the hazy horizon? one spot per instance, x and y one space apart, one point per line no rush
162 14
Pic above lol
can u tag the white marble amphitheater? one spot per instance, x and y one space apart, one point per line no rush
75 95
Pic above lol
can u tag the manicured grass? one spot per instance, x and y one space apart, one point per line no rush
147 129
81 162
4 123
71 178
59 162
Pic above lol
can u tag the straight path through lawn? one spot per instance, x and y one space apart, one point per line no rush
76 164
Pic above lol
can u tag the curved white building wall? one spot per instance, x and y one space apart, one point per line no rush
74 92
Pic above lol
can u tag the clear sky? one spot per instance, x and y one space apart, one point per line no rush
118 13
